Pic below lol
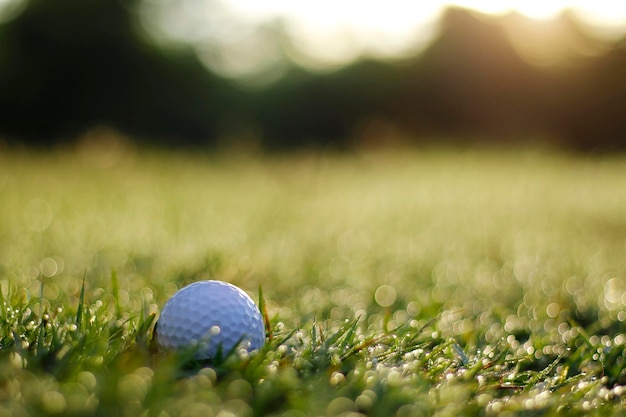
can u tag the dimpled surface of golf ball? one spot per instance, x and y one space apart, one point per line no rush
210 314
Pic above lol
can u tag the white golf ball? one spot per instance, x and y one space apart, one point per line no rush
210 315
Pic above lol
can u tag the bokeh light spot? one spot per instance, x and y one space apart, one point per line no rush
385 295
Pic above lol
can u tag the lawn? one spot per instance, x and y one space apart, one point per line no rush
421 282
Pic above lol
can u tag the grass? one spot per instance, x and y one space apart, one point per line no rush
416 283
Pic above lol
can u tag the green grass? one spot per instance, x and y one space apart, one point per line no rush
401 283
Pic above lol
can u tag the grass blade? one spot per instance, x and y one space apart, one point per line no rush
81 303
459 351
115 289
266 318
340 332
41 303
348 341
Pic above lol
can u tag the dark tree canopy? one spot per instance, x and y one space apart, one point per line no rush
69 65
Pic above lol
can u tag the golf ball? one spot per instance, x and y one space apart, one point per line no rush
210 315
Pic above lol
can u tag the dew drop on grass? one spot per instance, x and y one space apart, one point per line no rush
337 378
53 402
131 387
87 379
16 360
210 373
340 405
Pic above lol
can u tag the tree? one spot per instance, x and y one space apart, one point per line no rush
69 65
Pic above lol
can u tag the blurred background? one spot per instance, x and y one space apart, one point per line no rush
281 75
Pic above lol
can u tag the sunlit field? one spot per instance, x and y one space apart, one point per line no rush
422 282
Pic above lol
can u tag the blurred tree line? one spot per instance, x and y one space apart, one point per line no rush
67 66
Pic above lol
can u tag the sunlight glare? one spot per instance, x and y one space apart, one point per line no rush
536 9
10 9
244 38
393 15
540 10
329 33
396 16
603 13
